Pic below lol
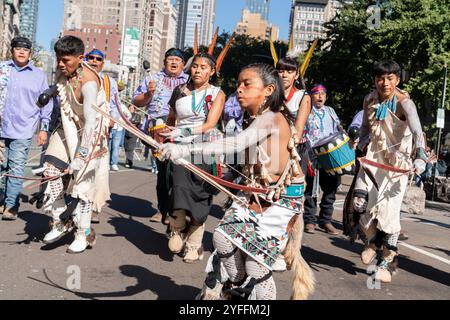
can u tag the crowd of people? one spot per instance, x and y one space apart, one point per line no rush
271 147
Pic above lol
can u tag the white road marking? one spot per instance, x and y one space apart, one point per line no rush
426 253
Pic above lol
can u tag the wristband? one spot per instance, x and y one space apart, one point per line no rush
82 153
45 127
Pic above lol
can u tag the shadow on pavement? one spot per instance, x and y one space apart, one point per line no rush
164 287
423 270
447 252
131 206
145 238
440 224
316 258
405 263
36 226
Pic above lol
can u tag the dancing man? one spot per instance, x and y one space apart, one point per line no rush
396 149
154 93
77 150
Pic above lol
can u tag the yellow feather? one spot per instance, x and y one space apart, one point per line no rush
308 57
273 51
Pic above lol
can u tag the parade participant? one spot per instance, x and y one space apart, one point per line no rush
196 108
79 148
96 59
256 228
322 123
233 116
20 86
298 103
396 148
131 139
154 93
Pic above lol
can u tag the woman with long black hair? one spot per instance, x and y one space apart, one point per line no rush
258 227
195 109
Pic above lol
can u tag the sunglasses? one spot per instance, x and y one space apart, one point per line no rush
99 59
18 49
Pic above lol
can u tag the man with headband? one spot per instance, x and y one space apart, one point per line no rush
20 86
322 123
154 93
96 59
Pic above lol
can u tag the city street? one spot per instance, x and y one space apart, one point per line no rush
131 259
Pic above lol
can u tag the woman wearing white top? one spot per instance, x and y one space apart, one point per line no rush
195 109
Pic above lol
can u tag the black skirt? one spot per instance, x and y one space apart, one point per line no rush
189 193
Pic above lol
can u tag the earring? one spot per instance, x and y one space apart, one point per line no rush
263 105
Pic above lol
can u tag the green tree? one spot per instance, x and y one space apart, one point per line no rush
244 51
415 33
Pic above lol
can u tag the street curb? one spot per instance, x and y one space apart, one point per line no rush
442 206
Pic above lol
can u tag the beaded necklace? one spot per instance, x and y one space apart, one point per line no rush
384 106
79 75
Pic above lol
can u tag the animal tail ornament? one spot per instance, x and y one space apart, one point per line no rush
304 280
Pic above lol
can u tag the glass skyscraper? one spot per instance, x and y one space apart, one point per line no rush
29 11
259 6
190 13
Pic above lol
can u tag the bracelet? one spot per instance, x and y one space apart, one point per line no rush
82 153
186 132
45 127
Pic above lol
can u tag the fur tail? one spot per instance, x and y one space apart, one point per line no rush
304 280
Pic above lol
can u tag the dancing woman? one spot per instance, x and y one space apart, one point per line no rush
195 108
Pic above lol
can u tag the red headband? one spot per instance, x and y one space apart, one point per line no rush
318 89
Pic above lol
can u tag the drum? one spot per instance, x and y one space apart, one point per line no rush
335 155
154 133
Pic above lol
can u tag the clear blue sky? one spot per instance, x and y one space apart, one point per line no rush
228 13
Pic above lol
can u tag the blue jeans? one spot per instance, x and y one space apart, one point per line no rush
114 145
16 156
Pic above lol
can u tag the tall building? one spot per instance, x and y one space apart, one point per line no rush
252 24
9 25
308 17
259 6
104 38
169 28
152 35
29 13
47 64
190 13
101 24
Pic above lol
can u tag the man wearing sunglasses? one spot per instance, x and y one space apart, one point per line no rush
20 86
96 59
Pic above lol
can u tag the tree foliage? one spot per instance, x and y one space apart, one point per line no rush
244 51
415 33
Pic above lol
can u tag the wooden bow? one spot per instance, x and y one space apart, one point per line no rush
214 181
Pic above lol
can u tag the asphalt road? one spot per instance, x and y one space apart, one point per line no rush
131 259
